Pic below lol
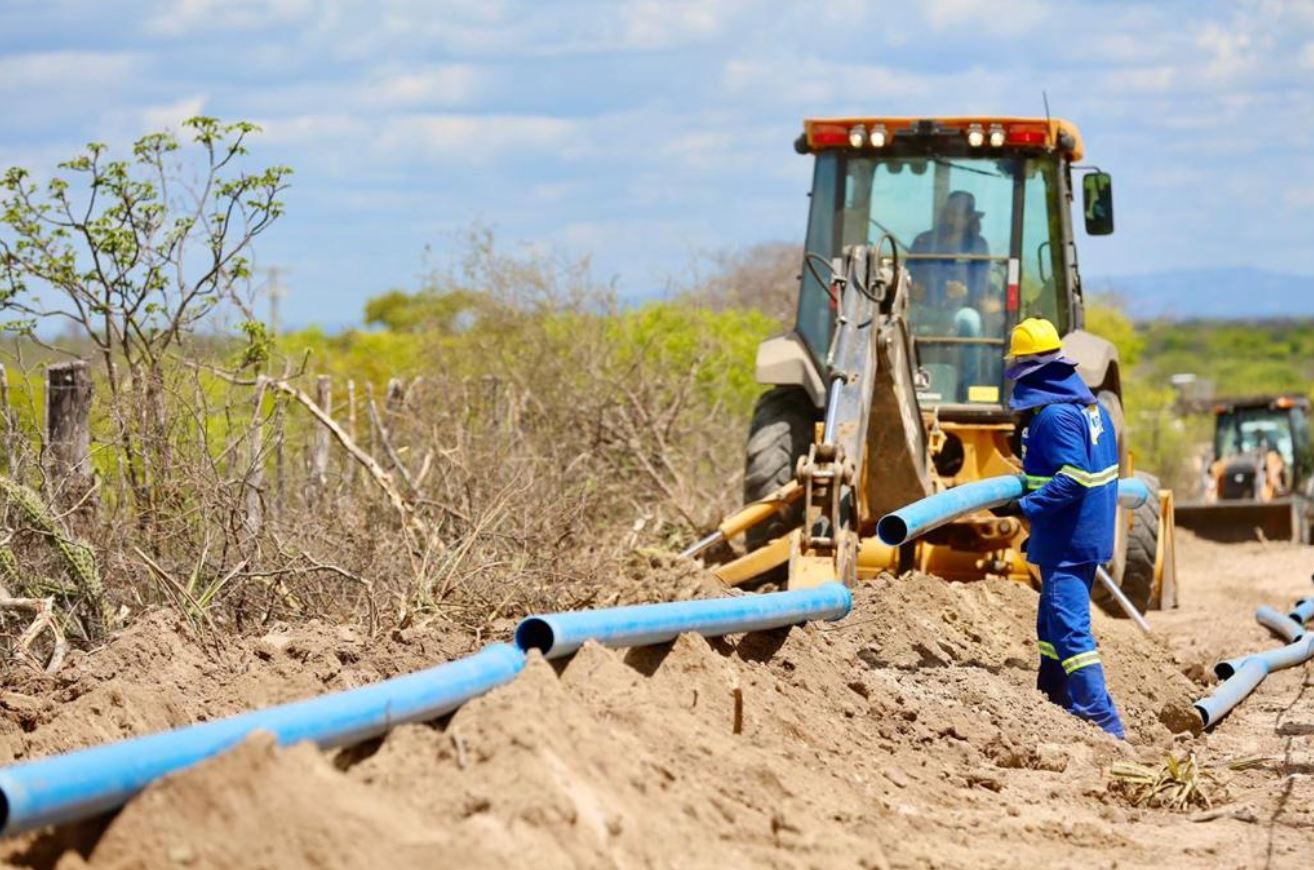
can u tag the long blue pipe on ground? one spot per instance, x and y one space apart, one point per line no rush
1241 675
936 510
560 634
66 788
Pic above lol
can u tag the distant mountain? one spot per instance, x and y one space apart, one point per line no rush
1234 292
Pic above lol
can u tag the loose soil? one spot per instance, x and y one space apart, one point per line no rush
908 735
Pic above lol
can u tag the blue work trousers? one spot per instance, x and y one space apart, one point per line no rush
1070 671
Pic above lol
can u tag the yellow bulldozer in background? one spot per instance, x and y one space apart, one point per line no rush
1259 481
927 241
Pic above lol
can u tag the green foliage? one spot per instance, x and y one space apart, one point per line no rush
426 311
716 348
259 344
1228 358
1106 320
1239 358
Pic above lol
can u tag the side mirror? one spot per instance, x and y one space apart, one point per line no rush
1097 200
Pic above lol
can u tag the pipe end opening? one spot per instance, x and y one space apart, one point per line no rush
1224 670
892 530
535 633
1204 714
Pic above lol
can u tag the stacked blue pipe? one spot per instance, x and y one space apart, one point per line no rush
936 510
560 634
1242 675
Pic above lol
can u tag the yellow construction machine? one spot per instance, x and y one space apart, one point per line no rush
1260 481
927 240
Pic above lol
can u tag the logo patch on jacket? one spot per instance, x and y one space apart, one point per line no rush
1096 423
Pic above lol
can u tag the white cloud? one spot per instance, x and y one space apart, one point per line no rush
1230 52
176 18
450 85
472 138
985 16
171 115
660 24
426 137
821 87
40 75
1152 79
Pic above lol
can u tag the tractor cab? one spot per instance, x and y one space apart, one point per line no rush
977 210
1261 447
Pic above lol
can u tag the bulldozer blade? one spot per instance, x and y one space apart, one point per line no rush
1245 520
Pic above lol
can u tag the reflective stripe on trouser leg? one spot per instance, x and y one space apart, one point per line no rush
1065 611
1050 679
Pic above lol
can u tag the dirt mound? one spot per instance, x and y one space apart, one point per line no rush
909 733
158 675
219 814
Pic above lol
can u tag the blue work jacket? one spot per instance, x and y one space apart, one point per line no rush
1070 458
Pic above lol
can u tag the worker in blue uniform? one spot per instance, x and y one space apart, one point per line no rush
1070 460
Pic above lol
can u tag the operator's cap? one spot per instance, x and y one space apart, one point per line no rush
964 202
1034 344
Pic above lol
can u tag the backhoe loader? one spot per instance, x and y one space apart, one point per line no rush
927 240
1260 480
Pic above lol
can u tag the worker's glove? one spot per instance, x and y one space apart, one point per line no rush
1010 508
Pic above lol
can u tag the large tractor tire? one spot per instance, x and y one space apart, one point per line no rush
1142 545
784 419
1112 403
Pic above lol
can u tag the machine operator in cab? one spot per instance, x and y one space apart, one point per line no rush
1070 459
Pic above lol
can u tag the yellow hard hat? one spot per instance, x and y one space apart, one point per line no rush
1033 336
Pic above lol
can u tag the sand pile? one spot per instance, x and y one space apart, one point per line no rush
908 733
157 675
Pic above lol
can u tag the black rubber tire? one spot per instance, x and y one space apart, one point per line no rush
784 419
1142 543
1113 404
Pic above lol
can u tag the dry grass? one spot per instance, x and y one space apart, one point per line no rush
1176 784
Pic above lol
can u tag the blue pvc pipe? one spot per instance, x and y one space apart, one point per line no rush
1232 691
1303 612
1274 659
560 634
73 786
1240 675
929 513
935 510
1283 626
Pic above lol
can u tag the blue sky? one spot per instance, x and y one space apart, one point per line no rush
647 133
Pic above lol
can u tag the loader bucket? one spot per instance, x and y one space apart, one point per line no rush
1246 520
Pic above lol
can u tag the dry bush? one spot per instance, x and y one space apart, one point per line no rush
518 465
764 277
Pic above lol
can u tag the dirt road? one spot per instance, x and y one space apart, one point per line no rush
909 735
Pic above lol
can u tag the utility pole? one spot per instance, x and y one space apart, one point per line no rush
275 294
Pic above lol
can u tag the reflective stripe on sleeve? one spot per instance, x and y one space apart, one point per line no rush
1091 478
1035 481
1047 650
1081 660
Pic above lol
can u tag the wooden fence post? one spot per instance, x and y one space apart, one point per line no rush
10 460
349 475
319 451
255 473
68 431
279 476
